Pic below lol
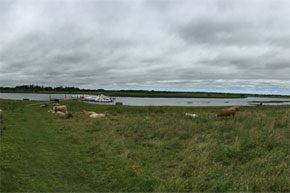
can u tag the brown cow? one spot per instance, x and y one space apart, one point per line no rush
51 111
228 112
64 115
1 112
88 113
68 115
60 108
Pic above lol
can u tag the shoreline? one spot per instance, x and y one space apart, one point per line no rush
224 105
159 94
143 95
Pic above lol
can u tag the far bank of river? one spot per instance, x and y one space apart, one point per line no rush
149 101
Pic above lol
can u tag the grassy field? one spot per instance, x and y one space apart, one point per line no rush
148 149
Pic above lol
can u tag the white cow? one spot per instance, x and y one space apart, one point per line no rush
98 115
191 115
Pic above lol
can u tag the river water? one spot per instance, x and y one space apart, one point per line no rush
144 101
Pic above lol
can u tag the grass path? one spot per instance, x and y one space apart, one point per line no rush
44 160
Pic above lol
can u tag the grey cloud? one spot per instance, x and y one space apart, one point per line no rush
283 64
220 32
259 67
191 45
211 31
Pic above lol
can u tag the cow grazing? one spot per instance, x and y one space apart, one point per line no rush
191 115
62 108
237 108
228 112
44 106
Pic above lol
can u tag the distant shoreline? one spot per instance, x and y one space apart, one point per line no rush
130 95
151 94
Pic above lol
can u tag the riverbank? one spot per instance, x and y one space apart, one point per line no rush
152 94
152 149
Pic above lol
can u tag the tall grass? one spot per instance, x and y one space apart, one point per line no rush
144 149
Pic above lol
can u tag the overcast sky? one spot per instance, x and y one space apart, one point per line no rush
184 45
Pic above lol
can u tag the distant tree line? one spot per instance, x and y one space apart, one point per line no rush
36 88
48 89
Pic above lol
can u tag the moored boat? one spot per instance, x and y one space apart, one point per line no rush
97 98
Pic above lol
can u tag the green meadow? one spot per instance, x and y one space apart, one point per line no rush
143 149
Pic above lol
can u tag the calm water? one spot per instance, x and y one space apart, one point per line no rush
142 101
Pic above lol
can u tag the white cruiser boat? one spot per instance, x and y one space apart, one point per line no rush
94 98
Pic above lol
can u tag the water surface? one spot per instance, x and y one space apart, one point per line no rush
147 101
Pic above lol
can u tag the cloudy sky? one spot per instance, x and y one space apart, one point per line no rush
240 46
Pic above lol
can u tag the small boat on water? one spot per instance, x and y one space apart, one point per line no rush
79 96
94 98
